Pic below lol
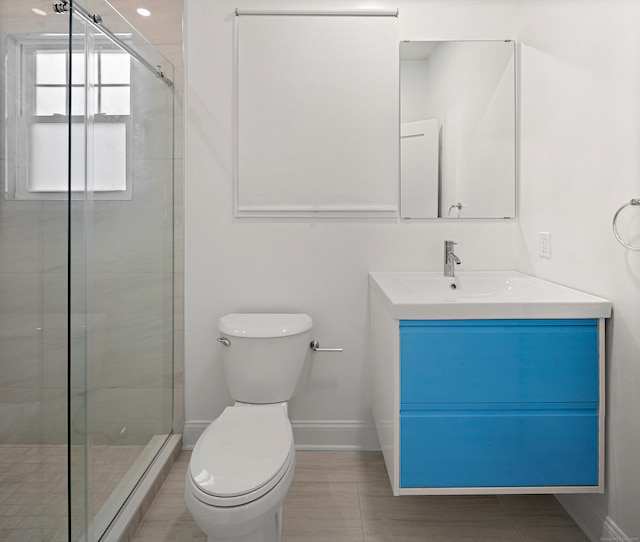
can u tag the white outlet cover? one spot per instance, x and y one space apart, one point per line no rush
544 244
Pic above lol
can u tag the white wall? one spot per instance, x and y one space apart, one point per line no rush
317 266
580 160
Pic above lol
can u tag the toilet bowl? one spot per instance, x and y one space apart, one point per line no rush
243 463
239 474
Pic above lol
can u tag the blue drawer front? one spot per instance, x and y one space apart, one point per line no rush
498 449
493 361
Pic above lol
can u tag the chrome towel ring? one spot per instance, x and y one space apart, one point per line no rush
632 203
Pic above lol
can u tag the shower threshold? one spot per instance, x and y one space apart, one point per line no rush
128 481
128 519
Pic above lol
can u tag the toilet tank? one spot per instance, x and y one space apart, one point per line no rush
267 354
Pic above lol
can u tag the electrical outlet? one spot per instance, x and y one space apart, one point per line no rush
544 244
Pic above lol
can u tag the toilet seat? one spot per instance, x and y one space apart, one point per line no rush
242 455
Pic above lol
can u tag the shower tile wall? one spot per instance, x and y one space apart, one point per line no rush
164 31
32 294
130 283
33 284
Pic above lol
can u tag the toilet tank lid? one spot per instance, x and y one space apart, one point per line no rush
264 325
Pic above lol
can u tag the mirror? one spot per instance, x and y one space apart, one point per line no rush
457 129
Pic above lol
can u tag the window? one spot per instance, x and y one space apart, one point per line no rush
38 69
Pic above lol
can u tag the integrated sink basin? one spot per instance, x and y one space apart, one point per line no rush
482 294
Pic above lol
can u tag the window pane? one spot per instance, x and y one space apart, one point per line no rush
48 142
115 68
115 101
51 68
77 101
50 100
110 156
47 163
77 68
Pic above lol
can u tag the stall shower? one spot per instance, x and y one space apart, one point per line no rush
86 266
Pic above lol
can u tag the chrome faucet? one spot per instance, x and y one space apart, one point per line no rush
450 259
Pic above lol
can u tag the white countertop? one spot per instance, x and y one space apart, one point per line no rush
481 295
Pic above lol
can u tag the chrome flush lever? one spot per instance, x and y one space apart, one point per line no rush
315 346
224 341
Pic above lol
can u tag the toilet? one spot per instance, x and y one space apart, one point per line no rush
243 463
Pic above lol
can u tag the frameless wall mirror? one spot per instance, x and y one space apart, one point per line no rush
457 129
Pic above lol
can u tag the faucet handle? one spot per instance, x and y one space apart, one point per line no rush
450 243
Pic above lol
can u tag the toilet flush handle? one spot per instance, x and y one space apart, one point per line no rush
224 341
315 346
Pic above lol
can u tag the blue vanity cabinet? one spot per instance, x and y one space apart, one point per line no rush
499 404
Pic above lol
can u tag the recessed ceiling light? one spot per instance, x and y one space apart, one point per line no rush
144 12
38 11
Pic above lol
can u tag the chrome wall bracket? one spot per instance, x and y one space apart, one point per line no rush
96 20
61 7
65 7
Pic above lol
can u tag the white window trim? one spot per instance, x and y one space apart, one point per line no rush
20 87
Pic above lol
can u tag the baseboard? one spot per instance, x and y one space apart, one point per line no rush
191 433
336 435
346 435
597 527
611 531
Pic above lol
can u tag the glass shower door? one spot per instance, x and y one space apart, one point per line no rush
86 266
34 130
121 400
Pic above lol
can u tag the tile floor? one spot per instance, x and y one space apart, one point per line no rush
33 487
346 497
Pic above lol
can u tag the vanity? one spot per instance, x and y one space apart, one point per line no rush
487 382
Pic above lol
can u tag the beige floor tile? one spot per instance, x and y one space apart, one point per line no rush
550 533
391 530
541 518
328 531
168 505
339 466
183 457
378 503
169 531
346 497
318 512
532 505
541 528
174 486
573 534
176 477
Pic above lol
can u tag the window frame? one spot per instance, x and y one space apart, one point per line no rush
21 51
